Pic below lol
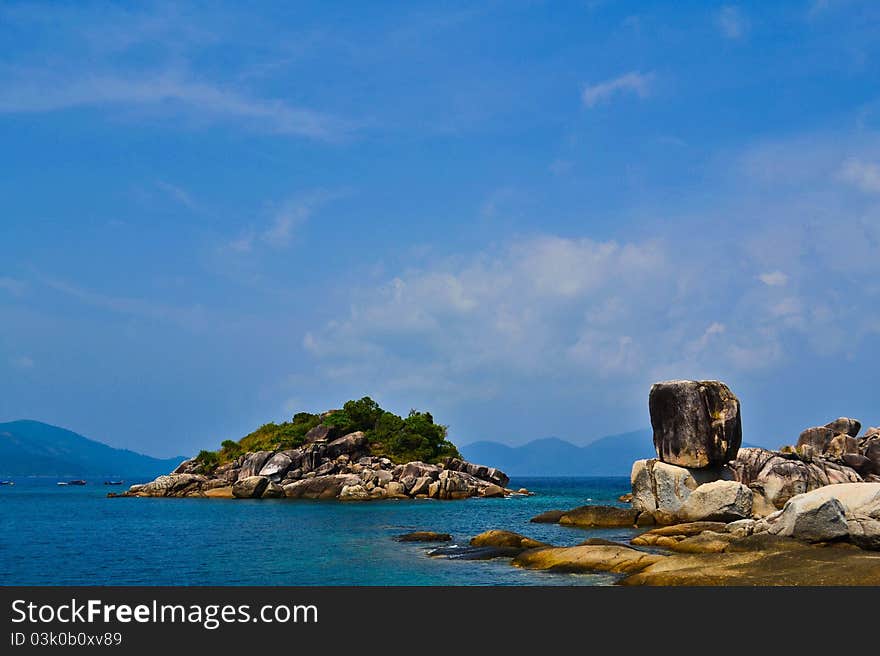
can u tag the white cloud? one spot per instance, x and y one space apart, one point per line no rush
168 93
546 309
178 194
632 82
863 175
773 278
285 222
732 23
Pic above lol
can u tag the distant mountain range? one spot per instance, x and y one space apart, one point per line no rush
607 456
32 448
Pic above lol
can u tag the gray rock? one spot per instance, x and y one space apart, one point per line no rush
417 469
845 426
382 477
492 490
253 463
741 528
347 444
864 532
276 466
251 487
174 485
353 493
810 519
328 467
658 485
272 491
724 501
420 486
321 433
497 477
395 489
696 423
320 487
191 466
780 477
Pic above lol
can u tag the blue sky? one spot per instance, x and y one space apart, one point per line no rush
517 215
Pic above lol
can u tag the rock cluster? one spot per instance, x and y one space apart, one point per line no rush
720 515
339 469
697 437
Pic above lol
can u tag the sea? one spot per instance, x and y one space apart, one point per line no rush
53 535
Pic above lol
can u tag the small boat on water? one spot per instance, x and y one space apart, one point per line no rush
61 483
76 482
7 482
120 482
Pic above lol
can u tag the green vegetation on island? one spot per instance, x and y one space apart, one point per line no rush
415 437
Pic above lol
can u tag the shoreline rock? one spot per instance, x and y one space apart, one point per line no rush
341 469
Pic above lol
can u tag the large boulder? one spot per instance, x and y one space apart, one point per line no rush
810 520
864 532
417 469
723 501
251 487
660 486
482 472
828 513
320 487
321 433
253 463
845 426
279 464
347 444
696 423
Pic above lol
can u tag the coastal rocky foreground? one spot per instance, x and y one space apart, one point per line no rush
341 468
718 514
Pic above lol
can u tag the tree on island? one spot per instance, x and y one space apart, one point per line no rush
400 439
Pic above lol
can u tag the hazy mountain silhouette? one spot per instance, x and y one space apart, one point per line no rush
608 456
32 448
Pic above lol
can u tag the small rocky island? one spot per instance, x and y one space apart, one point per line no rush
357 453
718 514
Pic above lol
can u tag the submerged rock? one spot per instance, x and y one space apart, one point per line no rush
599 516
497 538
424 536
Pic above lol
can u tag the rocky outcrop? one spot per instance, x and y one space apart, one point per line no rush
172 485
778 476
696 423
324 468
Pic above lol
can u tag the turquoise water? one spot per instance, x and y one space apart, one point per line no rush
52 535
